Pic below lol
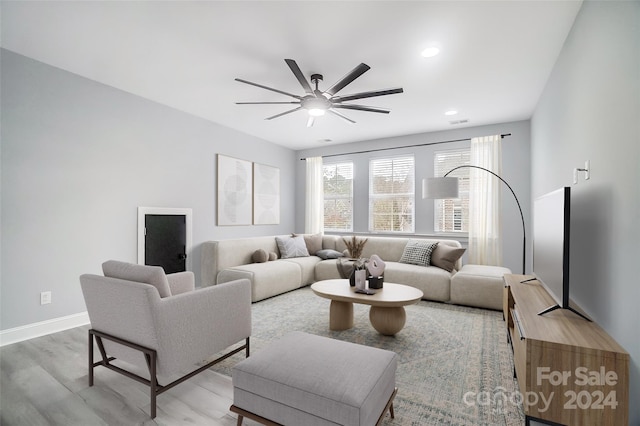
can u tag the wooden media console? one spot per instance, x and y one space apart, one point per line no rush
569 370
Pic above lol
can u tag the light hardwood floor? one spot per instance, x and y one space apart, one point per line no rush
43 381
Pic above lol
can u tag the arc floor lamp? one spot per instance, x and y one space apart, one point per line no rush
447 187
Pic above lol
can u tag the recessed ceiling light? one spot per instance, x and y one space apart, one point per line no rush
430 52
451 112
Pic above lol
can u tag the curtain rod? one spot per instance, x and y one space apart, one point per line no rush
405 146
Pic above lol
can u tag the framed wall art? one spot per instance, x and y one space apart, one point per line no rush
234 191
266 195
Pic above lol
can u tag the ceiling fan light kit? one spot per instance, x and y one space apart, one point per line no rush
317 102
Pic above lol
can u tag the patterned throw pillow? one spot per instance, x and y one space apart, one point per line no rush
418 252
292 247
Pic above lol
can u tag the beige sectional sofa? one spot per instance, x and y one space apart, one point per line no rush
228 260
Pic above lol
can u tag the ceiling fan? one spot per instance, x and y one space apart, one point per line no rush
317 102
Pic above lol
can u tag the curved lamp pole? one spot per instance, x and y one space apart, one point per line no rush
447 190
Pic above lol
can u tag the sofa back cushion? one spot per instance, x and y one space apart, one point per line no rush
238 251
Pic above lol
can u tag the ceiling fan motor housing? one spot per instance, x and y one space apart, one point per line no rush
315 103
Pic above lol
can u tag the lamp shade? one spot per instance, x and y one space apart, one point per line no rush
441 187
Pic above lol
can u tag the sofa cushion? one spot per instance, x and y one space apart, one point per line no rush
445 257
267 279
431 280
153 275
292 246
418 252
479 285
327 270
307 268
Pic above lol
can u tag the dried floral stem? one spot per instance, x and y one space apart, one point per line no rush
355 246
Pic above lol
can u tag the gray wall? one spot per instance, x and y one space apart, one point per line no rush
516 171
590 110
78 158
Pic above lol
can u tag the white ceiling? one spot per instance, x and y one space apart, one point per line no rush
495 57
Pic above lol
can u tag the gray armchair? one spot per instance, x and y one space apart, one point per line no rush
160 325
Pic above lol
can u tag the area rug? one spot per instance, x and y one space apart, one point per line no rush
455 366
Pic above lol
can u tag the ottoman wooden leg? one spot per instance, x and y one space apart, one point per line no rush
389 407
244 413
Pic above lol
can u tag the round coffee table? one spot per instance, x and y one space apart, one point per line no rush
387 314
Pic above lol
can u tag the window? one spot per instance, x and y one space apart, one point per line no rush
338 196
391 194
452 215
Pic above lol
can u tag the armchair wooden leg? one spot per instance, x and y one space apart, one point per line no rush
240 419
153 385
90 359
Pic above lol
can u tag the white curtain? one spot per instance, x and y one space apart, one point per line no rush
485 219
314 202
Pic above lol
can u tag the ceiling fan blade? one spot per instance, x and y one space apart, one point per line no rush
296 71
283 113
363 108
341 116
310 121
370 94
268 88
355 73
266 103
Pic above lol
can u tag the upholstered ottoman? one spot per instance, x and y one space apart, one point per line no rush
309 380
479 285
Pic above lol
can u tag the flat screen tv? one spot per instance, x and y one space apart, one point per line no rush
551 245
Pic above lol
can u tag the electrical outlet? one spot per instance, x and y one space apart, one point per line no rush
45 297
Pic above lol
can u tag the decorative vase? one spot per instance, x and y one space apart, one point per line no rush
352 278
358 265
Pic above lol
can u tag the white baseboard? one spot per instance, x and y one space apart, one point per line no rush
42 328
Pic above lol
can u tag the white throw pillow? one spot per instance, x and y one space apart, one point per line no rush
292 247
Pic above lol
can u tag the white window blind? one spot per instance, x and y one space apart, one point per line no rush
338 196
391 194
452 215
